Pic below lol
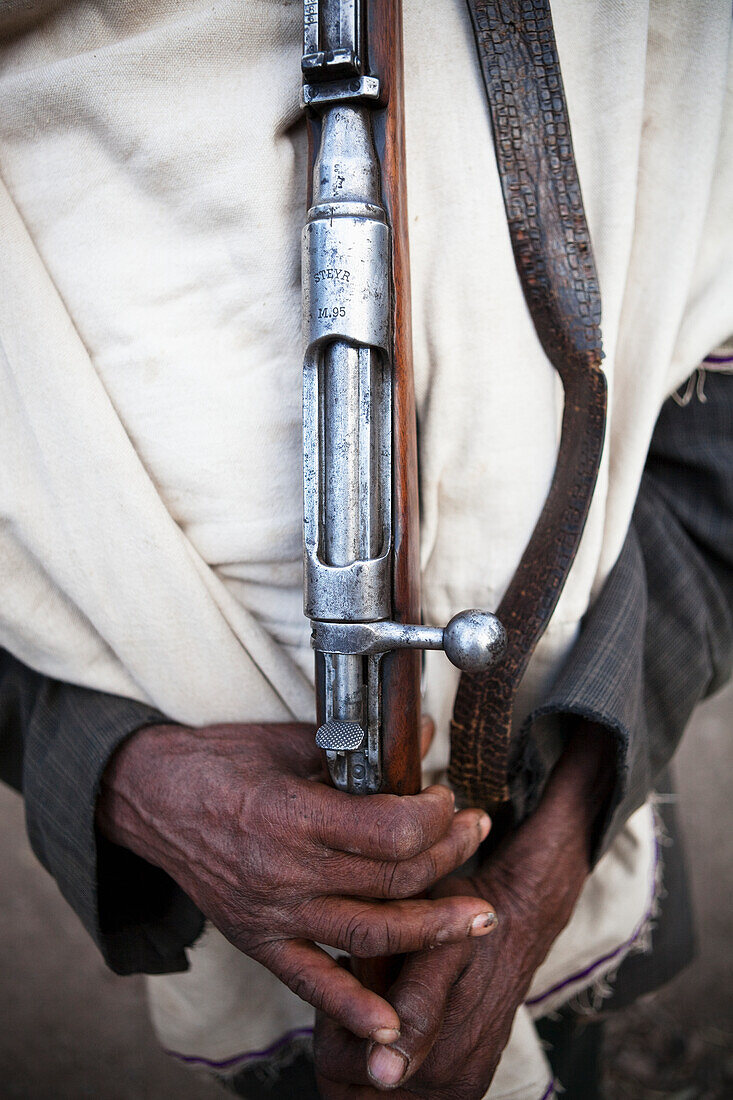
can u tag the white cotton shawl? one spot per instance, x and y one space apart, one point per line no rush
152 189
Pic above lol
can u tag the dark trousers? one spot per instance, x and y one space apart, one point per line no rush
574 1051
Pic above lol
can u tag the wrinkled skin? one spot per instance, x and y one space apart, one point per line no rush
457 1004
243 819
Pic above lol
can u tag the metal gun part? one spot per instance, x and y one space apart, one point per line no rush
347 411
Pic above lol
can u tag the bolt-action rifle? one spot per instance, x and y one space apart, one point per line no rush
362 591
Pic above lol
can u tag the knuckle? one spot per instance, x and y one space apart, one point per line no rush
301 981
407 839
302 986
421 874
402 880
398 827
402 836
267 952
368 935
429 869
363 938
313 918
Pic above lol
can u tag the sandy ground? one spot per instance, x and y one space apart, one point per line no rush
69 1029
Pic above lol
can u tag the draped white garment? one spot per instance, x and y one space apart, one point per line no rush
152 164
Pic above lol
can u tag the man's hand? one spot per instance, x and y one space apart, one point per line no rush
243 819
457 1004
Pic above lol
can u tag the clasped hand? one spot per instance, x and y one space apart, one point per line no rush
457 1004
243 819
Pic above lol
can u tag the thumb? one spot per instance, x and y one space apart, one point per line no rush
419 996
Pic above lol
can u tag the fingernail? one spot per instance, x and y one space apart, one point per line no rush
484 824
483 924
385 1035
387 1066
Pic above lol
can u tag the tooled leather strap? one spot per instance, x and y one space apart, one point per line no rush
552 251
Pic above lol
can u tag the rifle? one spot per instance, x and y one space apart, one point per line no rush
361 564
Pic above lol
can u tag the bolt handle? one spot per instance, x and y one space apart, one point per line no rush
473 640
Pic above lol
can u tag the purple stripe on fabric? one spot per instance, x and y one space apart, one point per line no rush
718 359
588 970
246 1056
549 1091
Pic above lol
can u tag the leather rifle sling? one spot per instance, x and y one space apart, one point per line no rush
554 259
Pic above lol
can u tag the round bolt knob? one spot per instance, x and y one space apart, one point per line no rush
474 640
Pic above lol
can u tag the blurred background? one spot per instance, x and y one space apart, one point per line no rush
70 1029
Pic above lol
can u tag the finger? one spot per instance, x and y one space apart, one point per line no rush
406 878
370 930
420 996
383 826
318 979
427 733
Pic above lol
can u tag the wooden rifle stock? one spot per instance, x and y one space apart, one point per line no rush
401 668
